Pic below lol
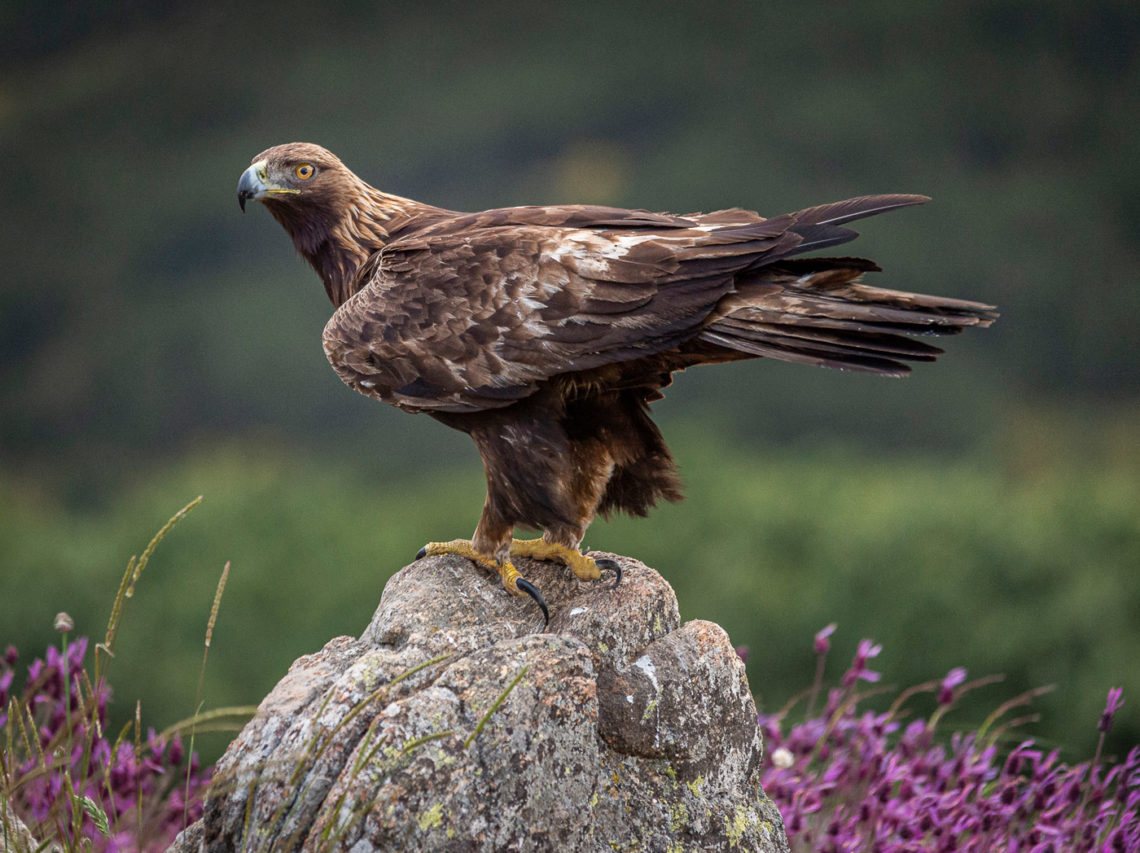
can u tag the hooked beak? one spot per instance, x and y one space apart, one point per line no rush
255 184
251 185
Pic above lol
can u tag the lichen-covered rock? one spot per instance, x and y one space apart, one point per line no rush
454 724
15 837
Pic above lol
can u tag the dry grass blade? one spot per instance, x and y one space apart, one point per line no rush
494 707
127 585
1004 708
218 720
201 676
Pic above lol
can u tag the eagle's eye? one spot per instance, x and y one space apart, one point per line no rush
304 171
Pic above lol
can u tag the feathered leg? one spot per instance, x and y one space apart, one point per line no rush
555 480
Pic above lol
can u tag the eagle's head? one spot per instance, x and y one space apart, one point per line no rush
336 220
299 172
306 188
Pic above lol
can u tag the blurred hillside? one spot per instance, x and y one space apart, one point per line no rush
144 321
140 311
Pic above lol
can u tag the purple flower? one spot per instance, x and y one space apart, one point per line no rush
858 669
1115 700
175 756
853 779
953 678
157 780
75 653
822 644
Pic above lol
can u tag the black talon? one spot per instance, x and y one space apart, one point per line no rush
606 564
531 590
420 554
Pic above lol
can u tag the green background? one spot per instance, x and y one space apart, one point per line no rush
156 345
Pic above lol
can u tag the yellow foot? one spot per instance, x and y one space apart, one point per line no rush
463 548
585 568
513 582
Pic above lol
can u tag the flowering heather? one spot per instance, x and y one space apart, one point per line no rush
71 780
850 780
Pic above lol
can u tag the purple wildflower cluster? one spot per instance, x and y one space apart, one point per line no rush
67 777
851 780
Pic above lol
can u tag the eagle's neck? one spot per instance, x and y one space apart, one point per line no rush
338 236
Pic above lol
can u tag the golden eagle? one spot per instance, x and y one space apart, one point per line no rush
545 332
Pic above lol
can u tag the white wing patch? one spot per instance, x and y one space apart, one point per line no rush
588 253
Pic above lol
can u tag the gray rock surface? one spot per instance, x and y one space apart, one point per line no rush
453 724
15 837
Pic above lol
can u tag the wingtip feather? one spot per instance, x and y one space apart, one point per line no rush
839 212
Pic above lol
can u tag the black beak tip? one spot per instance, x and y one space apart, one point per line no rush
242 196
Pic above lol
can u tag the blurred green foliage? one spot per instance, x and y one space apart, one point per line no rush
156 345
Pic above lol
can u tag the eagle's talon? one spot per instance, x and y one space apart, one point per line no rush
531 590
420 554
605 564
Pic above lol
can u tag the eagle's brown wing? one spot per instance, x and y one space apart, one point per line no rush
474 311
474 317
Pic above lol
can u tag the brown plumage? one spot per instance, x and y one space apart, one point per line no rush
545 332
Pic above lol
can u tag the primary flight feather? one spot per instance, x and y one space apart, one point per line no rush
545 332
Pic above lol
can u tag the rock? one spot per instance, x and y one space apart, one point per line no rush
455 724
15 837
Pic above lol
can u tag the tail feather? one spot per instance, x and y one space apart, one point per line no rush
839 339
806 354
815 311
875 307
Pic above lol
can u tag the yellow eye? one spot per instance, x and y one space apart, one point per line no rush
304 171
